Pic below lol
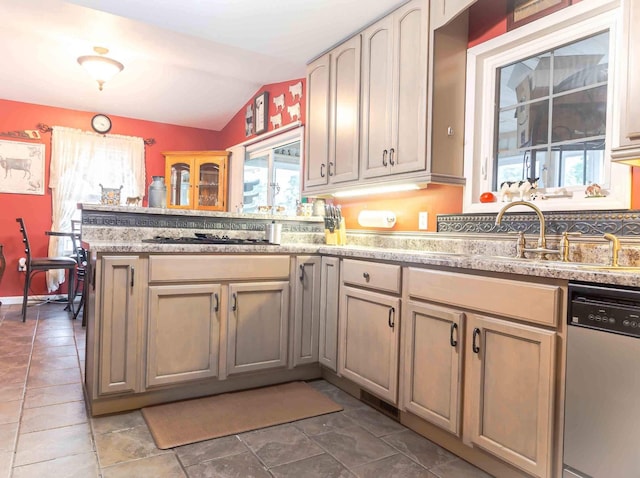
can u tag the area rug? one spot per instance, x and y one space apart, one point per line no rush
190 421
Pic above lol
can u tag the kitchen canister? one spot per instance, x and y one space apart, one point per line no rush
157 192
273 233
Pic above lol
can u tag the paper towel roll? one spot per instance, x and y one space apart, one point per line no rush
368 218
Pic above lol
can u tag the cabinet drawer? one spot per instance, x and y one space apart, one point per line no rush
381 277
192 267
533 302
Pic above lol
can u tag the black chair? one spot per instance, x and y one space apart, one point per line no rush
40 264
81 258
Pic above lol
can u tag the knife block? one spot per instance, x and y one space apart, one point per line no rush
338 237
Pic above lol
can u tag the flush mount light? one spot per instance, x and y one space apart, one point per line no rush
376 190
100 67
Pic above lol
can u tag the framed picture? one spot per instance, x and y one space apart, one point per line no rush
521 12
261 112
248 120
22 166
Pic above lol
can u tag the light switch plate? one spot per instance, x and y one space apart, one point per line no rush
423 218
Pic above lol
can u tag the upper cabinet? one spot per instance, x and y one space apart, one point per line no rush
370 116
196 180
629 140
333 96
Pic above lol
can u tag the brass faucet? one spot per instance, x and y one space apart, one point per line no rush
542 240
614 248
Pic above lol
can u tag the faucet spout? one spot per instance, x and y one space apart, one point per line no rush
542 240
614 248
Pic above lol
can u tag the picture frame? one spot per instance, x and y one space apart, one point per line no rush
261 112
22 166
248 120
521 12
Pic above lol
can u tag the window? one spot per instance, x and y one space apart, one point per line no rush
552 112
271 175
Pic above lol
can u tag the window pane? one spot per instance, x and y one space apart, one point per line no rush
580 115
286 174
256 182
581 64
524 81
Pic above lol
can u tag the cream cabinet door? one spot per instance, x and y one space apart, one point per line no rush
509 392
369 341
344 137
183 333
306 318
432 343
258 319
119 328
329 300
317 127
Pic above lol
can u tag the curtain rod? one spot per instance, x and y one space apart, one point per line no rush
48 129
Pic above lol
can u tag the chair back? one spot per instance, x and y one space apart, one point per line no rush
25 240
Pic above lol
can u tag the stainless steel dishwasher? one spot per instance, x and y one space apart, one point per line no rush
602 407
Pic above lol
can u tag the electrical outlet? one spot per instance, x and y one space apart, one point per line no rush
22 264
423 218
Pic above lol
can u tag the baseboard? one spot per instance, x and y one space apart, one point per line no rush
17 299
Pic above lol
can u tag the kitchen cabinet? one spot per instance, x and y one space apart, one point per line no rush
369 327
628 147
432 345
185 349
329 302
196 180
121 285
507 331
332 133
257 326
442 12
306 313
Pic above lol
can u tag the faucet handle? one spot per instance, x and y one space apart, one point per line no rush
614 248
521 244
564 244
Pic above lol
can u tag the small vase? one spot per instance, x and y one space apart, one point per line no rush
157 192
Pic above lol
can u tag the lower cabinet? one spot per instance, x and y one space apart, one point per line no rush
432 343
509 392
121 312
329 300
183 333
306 313
257 326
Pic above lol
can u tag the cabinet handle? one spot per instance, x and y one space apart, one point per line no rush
93 278
133 273
234 297
301 272
391 317
322 166
476 334
366 276
452 341
384 158
217 300
330 166
391 161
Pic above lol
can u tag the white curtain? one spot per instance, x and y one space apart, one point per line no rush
81 161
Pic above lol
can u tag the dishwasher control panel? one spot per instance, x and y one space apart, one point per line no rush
605 308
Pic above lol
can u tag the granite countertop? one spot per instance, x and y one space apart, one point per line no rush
473 262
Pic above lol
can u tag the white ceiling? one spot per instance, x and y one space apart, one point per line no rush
187 62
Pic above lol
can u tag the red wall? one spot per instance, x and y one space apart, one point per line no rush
36 210
234 132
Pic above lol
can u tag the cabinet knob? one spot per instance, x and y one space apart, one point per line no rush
366 276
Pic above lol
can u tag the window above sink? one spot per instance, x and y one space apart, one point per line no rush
542 102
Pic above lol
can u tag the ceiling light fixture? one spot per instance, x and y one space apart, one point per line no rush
100 67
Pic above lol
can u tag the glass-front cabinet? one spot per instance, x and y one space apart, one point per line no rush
196 179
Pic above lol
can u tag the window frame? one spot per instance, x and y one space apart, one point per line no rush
565 26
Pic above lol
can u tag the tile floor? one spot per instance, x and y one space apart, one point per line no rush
45 430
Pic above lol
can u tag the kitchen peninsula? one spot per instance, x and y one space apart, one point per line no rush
174 321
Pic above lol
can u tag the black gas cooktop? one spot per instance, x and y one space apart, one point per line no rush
199 238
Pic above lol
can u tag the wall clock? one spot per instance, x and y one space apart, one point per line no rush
101 123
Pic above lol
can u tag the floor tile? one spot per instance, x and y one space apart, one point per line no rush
210 449
343 398
17 374
49 444
60 351
40 378
125 445
14 360
354 446
281 444
8 435
49 341
53 416
419 449
54 332
320 466
11 391
83 465
54 363
10 411
396 466
118 422
8 349
40 397
243 465
458 469
165 466
5 463
324 423
373 421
